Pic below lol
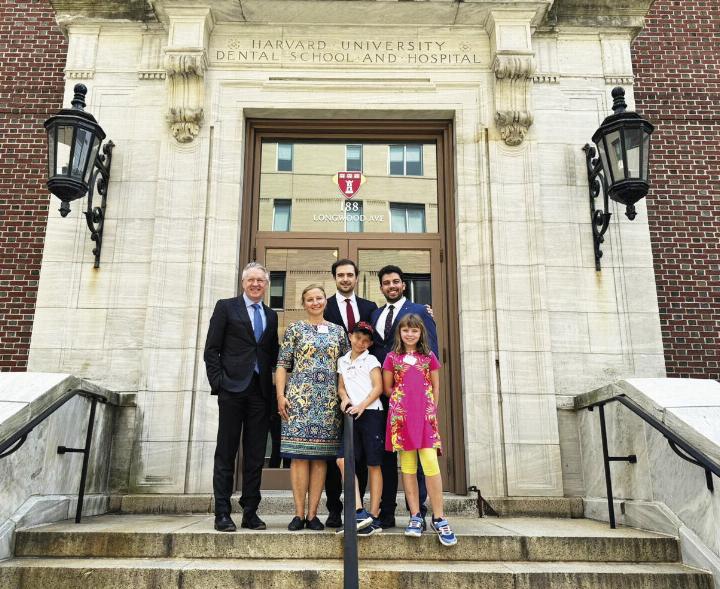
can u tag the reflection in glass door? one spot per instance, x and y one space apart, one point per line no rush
420 263
376 192
292 267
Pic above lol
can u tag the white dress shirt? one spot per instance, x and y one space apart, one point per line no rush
380 323
342 305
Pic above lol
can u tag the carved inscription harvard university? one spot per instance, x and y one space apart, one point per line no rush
329 51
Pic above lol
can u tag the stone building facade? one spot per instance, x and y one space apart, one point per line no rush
521 90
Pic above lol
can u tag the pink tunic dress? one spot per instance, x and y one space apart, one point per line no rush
412 413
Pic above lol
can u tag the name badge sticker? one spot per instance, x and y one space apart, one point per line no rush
323 329
408 359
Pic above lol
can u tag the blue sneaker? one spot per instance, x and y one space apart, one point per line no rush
373 528
414 527
362 519
444 531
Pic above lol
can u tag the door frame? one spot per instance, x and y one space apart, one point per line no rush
407 130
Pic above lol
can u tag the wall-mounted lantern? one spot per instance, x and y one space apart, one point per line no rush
75 164
621 170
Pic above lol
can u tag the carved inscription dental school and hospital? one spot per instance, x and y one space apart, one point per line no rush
409 52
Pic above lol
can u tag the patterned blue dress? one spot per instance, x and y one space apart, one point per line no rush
313 429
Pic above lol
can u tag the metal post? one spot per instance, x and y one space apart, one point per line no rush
86 458
606 461
350 552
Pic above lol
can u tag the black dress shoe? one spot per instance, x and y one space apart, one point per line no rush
296 524
314 524
252 522
334 520
224 523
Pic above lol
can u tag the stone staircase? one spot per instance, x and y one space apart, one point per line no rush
150 543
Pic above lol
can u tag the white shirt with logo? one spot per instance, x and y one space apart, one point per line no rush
356 376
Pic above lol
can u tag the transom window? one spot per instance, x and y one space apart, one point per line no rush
302 189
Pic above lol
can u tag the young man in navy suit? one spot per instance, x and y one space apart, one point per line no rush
240 352
345 309
384 320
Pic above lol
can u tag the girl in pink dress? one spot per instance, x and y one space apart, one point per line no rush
411 380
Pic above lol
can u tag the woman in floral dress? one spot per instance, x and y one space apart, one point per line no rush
306 385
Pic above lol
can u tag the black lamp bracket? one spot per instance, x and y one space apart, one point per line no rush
599 218
95 216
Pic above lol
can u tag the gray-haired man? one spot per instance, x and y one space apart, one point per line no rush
240 352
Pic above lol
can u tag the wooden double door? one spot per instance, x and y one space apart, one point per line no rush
375 192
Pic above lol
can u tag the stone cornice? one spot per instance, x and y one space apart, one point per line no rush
548 13
610 14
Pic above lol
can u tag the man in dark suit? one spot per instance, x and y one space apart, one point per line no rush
384 320
240 352
345 309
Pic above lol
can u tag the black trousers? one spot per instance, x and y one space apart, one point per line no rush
243 415
334 486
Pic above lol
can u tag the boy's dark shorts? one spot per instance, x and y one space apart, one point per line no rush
369 436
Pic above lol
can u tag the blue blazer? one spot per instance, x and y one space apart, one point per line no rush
381 347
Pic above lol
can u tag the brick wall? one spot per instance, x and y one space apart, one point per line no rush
677 66
32 57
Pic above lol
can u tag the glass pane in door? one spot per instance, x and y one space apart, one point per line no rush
415 265
320 186
291 270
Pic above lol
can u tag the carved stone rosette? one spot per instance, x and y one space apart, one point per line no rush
513 87
186 92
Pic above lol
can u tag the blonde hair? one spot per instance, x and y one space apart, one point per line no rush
412 320
310 287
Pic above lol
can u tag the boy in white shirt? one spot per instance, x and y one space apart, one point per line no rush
359 389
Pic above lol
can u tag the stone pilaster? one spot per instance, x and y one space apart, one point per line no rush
82 51
185 65
514 65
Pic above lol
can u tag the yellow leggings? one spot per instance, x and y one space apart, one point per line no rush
428 459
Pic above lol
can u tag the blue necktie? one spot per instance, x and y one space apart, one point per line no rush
257 322
258 329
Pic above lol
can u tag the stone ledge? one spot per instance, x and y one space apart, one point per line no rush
280 502
482 540
690 407
187 573
24 395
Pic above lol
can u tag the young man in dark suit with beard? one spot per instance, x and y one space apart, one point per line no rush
240 352
345 309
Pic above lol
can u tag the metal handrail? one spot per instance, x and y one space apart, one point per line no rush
15 441
350 550
679 445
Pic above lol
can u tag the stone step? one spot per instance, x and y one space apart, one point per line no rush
487 539
75 573
281 502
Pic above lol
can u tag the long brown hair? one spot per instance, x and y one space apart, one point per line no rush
412 320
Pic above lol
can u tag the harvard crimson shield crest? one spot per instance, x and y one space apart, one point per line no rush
349 182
